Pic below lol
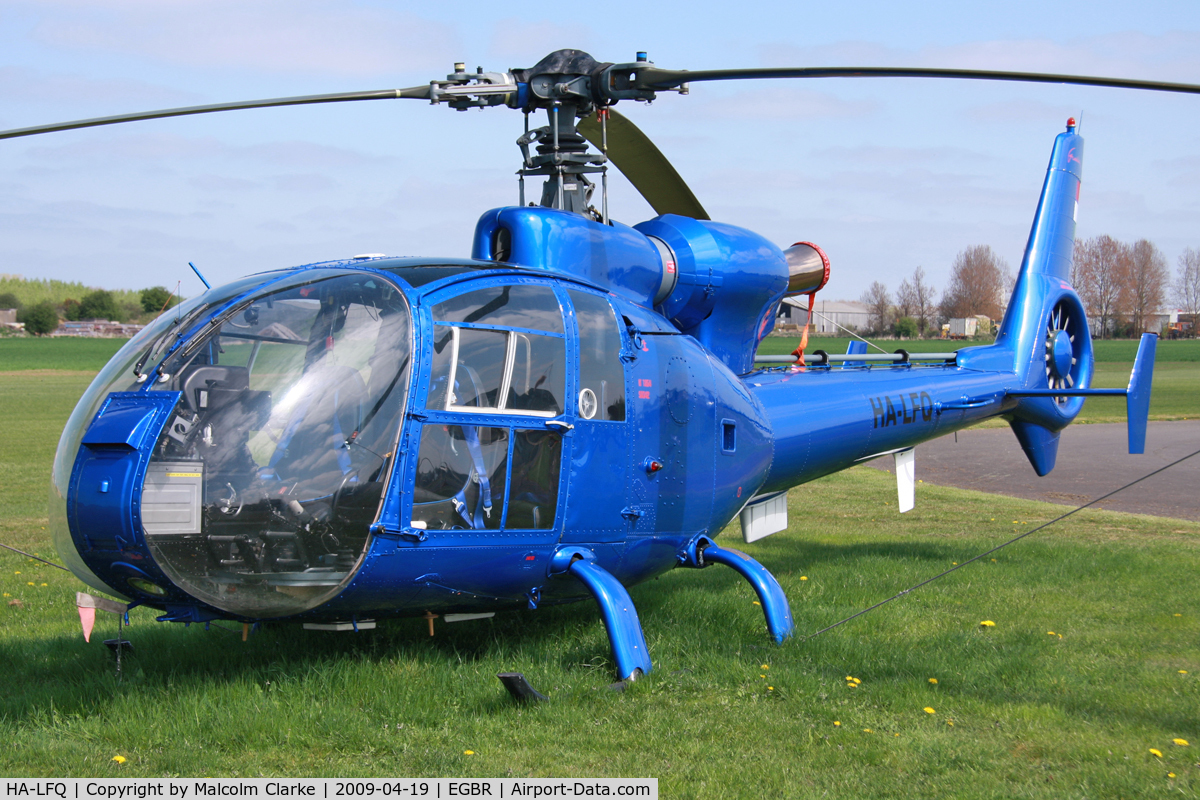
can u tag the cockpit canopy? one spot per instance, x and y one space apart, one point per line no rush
261 489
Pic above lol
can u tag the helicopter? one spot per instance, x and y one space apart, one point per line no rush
575 408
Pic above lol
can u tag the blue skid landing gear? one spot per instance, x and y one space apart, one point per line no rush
616 606
703 551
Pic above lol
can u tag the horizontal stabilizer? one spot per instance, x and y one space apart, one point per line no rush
1137 400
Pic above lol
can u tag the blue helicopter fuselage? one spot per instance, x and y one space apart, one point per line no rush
397 437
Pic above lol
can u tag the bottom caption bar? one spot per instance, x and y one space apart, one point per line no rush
322 788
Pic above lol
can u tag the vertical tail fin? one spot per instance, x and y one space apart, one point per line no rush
1044 339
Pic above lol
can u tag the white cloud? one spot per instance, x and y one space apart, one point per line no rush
23 85
781 102
514 38
174 149
1173 56
282 36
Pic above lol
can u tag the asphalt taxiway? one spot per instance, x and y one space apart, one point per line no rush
1092 461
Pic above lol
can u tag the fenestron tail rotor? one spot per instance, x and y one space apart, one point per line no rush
1062 353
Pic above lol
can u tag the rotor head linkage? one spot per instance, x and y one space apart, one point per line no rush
562 157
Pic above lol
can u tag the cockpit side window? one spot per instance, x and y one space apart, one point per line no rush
499 349
517 306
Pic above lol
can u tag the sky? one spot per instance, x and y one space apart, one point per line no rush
884 174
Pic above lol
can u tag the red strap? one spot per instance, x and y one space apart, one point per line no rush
799 351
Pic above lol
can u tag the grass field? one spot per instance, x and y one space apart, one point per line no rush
1017 710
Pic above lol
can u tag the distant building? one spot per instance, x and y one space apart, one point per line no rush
97 329
8 319
827 315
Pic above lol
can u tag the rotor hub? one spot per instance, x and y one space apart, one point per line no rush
1061 354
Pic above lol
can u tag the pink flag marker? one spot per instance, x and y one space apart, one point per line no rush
87 617
87 610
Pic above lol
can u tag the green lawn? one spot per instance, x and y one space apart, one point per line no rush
1017 711
64 353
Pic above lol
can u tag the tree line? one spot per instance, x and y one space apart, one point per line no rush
1121 285
45 316
980 281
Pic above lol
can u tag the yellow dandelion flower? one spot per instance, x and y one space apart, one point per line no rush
770 688
987 623
1181 672
1180 742
6 594
933 681
30 583
119 759
1154 752
45 584
851 685
849 677
468 752
993 561
1170 774
955 563
837 724
867 730
762 676
1179 615
858 680
803 577
929 710
895 734
950 722
17 572
757 603
1051 633
765 666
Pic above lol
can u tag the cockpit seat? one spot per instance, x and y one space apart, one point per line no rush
312 451
201 381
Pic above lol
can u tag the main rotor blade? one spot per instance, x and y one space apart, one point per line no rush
639 160
655 78
416 92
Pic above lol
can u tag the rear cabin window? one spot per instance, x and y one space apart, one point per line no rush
601 373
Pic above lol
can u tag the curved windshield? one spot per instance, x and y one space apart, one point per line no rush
264 484
120 375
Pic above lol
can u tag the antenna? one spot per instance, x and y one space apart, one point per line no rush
198 275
